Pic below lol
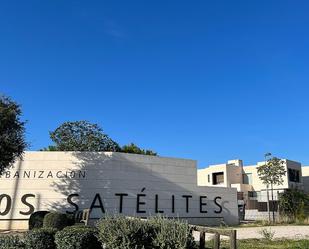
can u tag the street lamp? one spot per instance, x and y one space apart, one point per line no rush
266 156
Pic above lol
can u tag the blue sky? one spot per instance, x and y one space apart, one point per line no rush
207 80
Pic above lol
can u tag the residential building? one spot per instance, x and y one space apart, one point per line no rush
252 193
305 178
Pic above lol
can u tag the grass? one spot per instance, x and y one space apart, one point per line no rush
264 244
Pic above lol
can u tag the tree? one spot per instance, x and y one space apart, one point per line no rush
293 204
84 136
81 136
134 149
271 173
50 148
12 130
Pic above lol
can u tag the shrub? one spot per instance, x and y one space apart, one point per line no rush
123 233
56 220
11 242
36 219
71 219
172 234
77 237
159 233
293 204
42 238
267 234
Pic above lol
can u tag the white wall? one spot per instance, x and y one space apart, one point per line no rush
232 174
305 178
202 175
102 175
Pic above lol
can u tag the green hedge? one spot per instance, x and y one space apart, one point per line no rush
56 220
77 237
36 219
155 233
43 238
11 242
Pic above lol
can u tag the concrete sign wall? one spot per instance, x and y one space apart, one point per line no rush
110 183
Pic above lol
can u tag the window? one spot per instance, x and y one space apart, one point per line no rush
240 195
293 175
208 178
273 205
247 178
262 206
252 194
217 178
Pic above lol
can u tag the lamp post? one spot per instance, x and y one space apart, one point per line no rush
268 209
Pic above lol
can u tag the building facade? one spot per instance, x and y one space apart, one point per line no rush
111 183
251 192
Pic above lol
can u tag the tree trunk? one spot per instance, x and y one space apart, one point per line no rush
268 209
272 199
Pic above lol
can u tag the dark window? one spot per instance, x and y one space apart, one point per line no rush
217 178
208 176
262 206
252 194
247 178
297 176
240 195
293 175
252 204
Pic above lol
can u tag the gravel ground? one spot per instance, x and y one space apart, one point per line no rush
287 232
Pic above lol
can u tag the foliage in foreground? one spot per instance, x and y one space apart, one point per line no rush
77 237
11 242
56 220
36 219
267 234
12 129
42 238
17 242
154 233
171 234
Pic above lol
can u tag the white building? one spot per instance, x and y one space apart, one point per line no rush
251 191
305 178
